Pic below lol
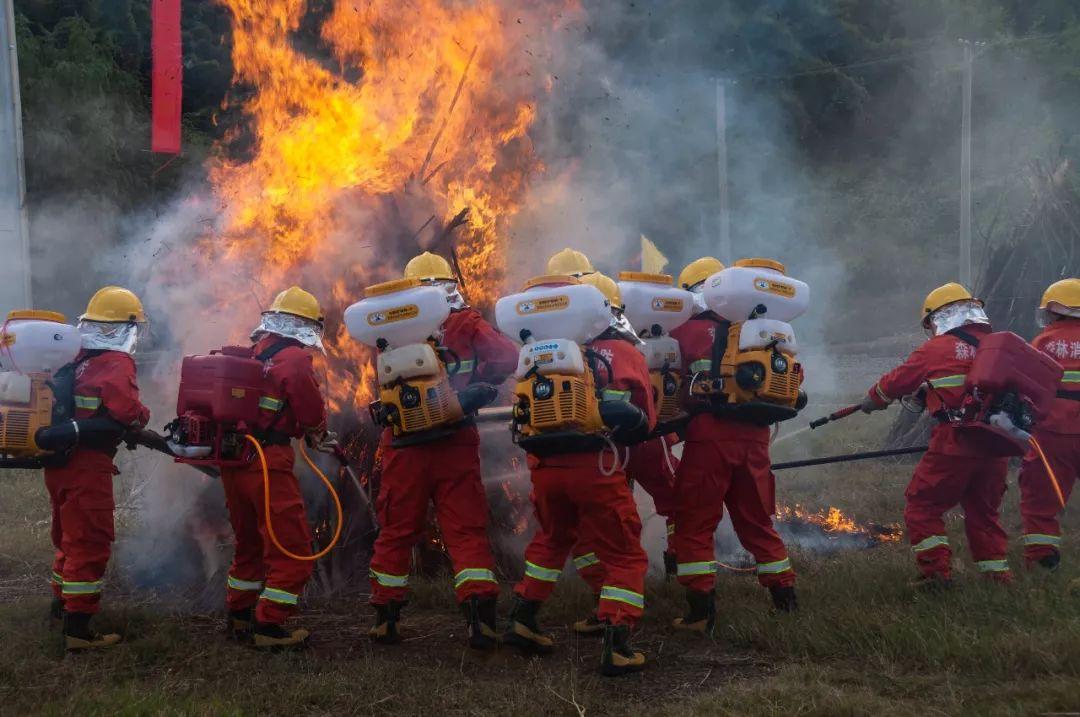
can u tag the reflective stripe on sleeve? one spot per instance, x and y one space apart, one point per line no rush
700 365
932 542
89 403
238 584
280 596
992 566
779 566
537 572
585 561
610 394
464 366
1042 539
473 574
389 581
82 588
623 595
670 529
702 568
270 403
881 394
1071 377
955 381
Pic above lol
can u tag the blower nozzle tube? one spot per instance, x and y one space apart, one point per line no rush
834 416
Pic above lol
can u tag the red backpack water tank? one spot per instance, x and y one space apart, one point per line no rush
223 387
1005 363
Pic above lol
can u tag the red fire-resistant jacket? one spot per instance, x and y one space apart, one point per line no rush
1061 341
290 378
695 339
485 355
943 362
105 384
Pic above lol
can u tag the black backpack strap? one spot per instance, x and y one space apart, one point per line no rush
719 346
267 435
969 339
275 349
1069 395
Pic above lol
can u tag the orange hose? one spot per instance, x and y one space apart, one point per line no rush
1049 471
266 503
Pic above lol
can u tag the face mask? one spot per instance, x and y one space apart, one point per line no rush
102 336
288 326
698 292
955 316
453 295
1045 317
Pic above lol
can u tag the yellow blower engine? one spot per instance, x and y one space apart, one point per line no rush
557 407
400 319
655 307
33 344
759 378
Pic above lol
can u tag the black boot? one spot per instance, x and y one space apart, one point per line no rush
268 636
702 616
56 613
1051 562
524 632
784 598
481 622
78 636
239 625
387 616
618 658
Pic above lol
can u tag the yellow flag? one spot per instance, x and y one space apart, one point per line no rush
652 260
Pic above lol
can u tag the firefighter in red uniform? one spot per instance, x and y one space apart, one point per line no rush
1058 434
264 584
645 464
575 498
953 471
446 472
81 490
725 462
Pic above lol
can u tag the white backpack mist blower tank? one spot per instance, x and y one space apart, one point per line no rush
754 375
33 344
557 407
401 319
654 307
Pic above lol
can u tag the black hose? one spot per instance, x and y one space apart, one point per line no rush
846 457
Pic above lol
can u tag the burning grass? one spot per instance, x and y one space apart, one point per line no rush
865 642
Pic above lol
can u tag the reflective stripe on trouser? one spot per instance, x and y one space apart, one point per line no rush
263 577
943 481
587 560
81 496
577 505
282 597
444 474
992 566
714 475
1039 539
482 575
238 584
774 568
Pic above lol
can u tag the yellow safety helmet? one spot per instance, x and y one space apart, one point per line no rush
607 287
114 304
944 295
297 302
699 270
429 267
1064 294
570 262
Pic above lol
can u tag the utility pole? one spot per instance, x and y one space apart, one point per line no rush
722 170
14 233
965 169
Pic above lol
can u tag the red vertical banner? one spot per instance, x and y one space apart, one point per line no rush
168 76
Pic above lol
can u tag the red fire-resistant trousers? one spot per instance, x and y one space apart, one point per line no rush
941 482
447 473
261 575
737 474
572 498
648 466
81 494
1039 501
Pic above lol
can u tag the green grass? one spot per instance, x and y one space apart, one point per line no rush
865 642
